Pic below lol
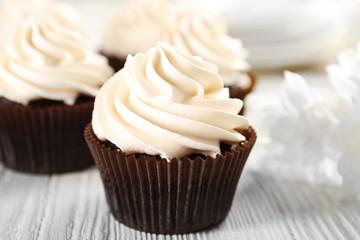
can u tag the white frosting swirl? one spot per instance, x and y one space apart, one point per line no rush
203 33
14 13
167 103
136 28
50 61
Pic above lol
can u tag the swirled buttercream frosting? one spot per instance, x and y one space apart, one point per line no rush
136 28
167 103
203 33
47 60
14 13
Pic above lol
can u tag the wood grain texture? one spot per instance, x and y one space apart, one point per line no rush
72 206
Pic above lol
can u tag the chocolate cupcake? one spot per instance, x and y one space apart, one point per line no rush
48 80
136 28
203 33
168 142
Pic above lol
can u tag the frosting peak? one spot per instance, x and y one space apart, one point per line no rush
49 44
167 103
202 33
14 13
168 74
48 60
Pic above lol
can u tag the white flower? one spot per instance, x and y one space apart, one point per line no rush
345 79
314 136
299 127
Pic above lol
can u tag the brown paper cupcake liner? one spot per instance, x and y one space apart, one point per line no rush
44 137
185 195
240 93
115 62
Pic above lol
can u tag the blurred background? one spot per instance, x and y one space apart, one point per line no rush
279 34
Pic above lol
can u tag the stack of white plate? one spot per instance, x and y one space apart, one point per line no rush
283 33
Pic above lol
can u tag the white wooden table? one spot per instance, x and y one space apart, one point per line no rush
73 206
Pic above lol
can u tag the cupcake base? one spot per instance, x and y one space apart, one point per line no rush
45 136
185 195
115 62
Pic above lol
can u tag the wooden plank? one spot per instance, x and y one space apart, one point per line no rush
73 206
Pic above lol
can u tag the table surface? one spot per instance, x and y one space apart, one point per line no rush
73 206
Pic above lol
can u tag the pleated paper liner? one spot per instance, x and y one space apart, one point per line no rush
45 137
185 195
115 62
240 93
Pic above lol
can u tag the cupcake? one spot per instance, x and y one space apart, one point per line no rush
168 142
136 28
203 33
48 80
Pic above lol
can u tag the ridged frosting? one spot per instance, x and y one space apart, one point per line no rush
47 60
136 28
167 103
203 33
14 13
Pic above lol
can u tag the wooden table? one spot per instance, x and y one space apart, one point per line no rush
73 206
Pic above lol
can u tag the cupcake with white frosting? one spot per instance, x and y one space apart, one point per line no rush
168 142
48 80
135 28
205 34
